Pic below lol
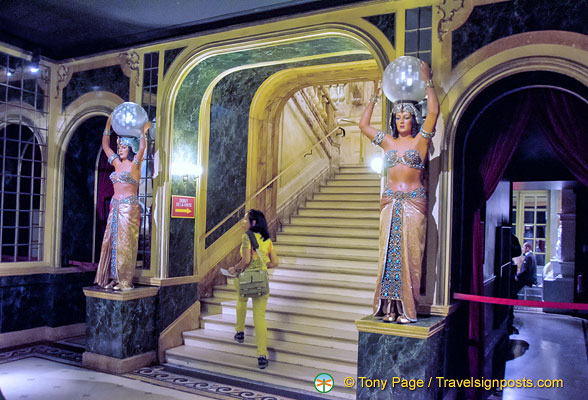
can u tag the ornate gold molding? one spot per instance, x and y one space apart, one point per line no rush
182 280
418 330
129 62
133 294
453 14
63 78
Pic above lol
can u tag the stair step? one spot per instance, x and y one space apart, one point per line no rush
336 276
299 333
353 169
370 269
351 182
344 205
373 189
308 287
277 373
306 295
293 310
326 252
302 220
344 242
311 212
371 233
352 176
278 350
296 284
321 262
368 197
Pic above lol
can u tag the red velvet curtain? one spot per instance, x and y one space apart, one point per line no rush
565 124
492 168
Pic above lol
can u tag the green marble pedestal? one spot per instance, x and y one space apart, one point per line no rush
120 329
397 361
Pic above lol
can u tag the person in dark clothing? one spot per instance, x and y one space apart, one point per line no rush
528 274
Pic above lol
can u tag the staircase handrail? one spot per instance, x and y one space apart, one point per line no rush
306 153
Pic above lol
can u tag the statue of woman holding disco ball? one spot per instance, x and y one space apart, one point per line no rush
403 205
118 255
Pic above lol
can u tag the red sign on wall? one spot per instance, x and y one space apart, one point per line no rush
183 206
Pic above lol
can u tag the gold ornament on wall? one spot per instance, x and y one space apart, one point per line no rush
453 14
129 63
63 77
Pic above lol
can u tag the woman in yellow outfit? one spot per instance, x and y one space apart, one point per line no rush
254 221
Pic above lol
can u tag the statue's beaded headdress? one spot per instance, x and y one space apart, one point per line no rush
403 106
129 141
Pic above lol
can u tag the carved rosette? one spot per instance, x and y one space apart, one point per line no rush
453 14
129 63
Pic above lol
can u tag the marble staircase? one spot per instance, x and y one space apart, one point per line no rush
328 267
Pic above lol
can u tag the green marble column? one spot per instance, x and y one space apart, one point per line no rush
120 329
397 361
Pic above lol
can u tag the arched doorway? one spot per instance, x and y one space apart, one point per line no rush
508 134
211 120
82 230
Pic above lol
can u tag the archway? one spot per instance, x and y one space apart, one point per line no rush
199 139
505 120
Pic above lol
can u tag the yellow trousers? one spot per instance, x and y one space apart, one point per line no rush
259 306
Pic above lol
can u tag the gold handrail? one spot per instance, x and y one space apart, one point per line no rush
307 152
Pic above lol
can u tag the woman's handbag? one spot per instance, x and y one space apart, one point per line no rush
253 282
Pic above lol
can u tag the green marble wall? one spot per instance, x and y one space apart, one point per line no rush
491 22
229 119
387 24
232 104
109 79
390 357
120 329
170 56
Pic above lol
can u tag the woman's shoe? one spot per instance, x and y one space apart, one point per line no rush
240 337
403 320
110 286
389 314
262 362
389 318
118 287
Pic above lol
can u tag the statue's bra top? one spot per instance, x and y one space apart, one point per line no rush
123 177
411 158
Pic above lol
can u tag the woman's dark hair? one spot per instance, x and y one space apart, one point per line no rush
260 223
414 126
131 153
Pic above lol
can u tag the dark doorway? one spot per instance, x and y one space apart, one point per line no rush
78 237
501 139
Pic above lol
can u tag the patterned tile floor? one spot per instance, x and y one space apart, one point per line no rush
54 371
548 347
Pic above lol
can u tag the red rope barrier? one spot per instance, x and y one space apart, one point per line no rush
524 303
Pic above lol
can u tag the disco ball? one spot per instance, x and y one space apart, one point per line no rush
402 80
128 119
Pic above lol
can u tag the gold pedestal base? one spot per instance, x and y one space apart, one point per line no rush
117 365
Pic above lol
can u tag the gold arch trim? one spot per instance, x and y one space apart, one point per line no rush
177 73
